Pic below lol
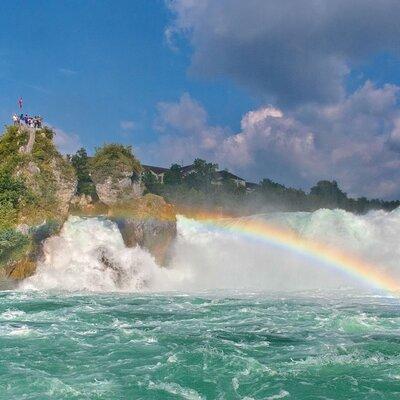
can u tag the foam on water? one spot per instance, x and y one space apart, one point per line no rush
219 344
11 314
214 259
90 255
156 346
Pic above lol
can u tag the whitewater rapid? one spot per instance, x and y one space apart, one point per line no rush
100 320
89 255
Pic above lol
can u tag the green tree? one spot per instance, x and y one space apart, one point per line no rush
202 176
328 194
273 193
151 182
268 186
174 175
80 161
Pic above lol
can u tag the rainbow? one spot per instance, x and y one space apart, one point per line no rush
370 274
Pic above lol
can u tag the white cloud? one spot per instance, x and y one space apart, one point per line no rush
288 52
67 71
184 132
127 125
355 141
268 135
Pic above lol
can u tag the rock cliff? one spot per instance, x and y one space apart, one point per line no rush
115 190
115 172
39 193
47 176
149 223
65 186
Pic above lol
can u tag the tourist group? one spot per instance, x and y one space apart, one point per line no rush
32 122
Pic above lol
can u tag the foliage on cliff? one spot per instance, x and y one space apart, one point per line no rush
13 191
32 187
113 161
30 183
13 245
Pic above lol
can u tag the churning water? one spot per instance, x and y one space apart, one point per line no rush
228 318
210 346
90 255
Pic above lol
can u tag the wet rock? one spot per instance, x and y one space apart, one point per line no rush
152 234
21 269
109 264
148 222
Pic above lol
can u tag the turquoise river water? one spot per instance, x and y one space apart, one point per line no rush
230 317
208 346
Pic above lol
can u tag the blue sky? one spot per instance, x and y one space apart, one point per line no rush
292 91
88 65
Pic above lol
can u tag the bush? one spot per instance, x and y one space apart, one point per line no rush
12 245
11 189
42 232
11 192
10 142
8 215
115 161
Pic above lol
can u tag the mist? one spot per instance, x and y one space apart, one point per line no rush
90 255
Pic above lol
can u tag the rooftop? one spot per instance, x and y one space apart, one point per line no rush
229 175
157 170
187 168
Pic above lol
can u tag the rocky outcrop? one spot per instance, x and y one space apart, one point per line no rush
115 172
148 222
25 265
49 177
112 190
46 183
31 141
20 269
82 201
65 187
28 173
152 234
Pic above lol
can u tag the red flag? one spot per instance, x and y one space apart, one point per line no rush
20 102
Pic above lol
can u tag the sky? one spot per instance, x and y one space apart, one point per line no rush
293 91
